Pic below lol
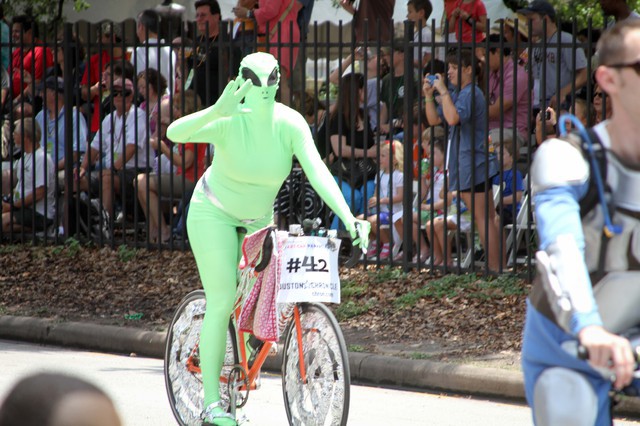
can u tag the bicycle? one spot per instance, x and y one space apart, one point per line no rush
315 366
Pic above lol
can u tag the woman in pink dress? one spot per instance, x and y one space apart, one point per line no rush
283 42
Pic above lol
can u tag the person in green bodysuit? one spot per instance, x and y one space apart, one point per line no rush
255 141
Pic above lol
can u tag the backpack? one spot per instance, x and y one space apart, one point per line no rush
591 198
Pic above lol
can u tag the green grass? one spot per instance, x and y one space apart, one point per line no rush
71 248
386 274
352 309
355 348
125 253
468 285
10 248
419 355
351 289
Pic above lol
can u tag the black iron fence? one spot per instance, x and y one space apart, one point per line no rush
355 97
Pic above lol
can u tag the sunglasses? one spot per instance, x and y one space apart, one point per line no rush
124 93
598 95
634 65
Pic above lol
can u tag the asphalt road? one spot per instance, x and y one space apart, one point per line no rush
137 386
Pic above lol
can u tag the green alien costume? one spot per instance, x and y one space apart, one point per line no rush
255 142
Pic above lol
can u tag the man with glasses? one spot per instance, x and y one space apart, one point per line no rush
121 146
587 287
214 58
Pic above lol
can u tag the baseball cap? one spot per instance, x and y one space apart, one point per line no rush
52 83
126 87
541 7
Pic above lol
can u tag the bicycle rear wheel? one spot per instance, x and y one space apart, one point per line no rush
323 398
182 375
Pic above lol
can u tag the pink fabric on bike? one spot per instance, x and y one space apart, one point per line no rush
259 314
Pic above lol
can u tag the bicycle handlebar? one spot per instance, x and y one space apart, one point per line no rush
582 353
310 227
632 335
356 251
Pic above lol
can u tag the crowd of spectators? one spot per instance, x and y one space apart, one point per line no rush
526 71
464 78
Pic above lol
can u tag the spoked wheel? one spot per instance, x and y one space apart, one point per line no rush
182 375
321 397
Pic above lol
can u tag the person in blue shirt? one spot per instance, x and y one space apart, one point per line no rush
586 289
471 167
510 179
51 121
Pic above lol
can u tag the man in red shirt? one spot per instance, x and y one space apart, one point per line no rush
92 85
28 61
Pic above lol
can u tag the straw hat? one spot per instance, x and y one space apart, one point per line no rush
511 23
523 29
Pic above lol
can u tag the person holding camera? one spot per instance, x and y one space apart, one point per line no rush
471 166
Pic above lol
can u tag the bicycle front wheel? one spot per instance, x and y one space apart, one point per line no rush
182 375
321 397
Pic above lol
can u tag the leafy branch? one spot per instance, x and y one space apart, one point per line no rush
42 10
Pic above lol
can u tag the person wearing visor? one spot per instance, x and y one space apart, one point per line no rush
255 141
122 147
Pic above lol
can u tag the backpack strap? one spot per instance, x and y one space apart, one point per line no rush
591 198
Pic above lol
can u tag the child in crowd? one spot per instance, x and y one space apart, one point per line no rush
441 226
385 207
510 179
418 125
418 11
431 189
467 16
471 168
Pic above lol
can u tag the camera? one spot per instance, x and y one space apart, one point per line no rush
547 115
432 79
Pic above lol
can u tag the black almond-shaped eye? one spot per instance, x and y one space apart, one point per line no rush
273 78
248 74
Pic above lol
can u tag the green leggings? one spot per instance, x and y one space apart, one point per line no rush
217 247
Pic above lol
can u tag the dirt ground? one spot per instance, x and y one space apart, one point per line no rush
417 315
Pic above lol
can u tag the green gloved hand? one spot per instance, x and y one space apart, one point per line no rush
359 231
227 103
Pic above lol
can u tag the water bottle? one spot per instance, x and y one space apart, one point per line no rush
426 174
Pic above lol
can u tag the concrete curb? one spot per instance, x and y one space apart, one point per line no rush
83 335
367 368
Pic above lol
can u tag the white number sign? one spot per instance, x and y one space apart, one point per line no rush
309 270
